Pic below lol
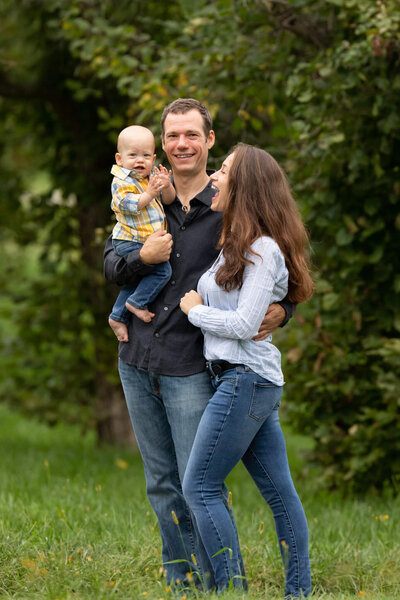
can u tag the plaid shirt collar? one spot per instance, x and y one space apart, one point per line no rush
122 173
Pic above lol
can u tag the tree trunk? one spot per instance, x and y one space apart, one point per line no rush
112 418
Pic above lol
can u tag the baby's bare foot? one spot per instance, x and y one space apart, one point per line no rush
142 313
120 330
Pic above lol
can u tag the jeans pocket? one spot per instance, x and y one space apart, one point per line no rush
265 398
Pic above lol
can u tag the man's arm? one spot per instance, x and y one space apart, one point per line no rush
138 263
277 315
289 309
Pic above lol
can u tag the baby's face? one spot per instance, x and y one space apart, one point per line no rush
138 156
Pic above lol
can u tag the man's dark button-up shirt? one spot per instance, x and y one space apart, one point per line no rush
170 344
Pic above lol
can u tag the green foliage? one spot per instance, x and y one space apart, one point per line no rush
317 84
346 128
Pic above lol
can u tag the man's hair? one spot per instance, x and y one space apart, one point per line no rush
184 105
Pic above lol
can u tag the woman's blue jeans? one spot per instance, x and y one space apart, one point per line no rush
241 422
165 413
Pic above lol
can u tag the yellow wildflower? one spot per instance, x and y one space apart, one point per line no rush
28 563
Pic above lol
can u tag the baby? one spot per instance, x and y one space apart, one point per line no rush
136 202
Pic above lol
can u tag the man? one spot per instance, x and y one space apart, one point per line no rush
162 367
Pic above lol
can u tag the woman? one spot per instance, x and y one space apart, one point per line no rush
263 259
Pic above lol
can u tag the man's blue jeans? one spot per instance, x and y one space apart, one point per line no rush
146 290
165 412
241 421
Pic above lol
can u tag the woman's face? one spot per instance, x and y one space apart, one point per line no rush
220 183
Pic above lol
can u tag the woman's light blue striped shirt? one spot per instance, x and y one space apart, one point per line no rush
229 320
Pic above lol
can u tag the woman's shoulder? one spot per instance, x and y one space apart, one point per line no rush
265 244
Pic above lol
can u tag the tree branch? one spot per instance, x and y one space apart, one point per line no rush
311 29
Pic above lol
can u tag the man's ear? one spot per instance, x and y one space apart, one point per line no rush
210 139
118 159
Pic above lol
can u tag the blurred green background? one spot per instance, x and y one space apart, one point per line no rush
315 83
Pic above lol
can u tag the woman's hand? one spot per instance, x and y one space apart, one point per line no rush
189 300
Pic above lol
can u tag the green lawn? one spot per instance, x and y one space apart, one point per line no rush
75 524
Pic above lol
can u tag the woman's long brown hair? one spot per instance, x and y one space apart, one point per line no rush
260 203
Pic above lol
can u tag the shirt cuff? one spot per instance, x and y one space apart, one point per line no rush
135 265
195 314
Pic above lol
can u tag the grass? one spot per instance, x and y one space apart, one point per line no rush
76 524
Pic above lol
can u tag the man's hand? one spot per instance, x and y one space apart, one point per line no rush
273 318
157 248
189 300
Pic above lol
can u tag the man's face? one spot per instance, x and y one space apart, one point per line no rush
185 143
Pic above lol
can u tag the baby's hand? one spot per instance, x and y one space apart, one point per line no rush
164 179
163 175
155 184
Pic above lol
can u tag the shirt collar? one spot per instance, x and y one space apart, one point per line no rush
206 194
123 173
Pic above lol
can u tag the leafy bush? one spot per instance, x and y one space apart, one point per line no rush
347 130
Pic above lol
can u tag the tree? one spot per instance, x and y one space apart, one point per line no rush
316 83
346 125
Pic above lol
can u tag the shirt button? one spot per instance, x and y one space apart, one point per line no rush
165 307
183 228
157 335
172 282
178 254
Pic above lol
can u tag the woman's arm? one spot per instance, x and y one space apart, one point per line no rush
254 296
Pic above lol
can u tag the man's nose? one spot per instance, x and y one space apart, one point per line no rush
182 141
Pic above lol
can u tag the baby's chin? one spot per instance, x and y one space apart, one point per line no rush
142 171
